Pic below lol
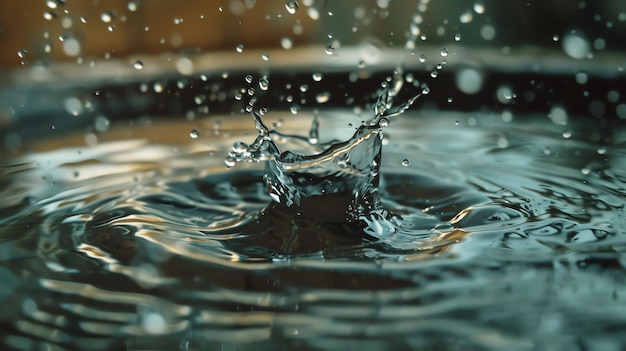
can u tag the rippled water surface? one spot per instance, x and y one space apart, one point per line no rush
503 233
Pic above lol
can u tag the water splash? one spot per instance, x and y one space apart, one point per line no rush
341 176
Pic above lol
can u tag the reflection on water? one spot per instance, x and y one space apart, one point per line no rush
506 232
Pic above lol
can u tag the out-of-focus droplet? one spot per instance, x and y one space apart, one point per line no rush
138 64
132 6
239 48
576 45
479 8
466 17
286 43
107 17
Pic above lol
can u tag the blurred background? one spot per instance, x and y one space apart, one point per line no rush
45 31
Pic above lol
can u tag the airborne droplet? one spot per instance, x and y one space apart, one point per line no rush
291 6
194 134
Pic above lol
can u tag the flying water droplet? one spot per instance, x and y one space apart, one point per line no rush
107 17
444 52
138 64
317 76
286 43
479 8
291 6
330 50
322 97
264 83
194 134
466 17
239 48
265 57
406 162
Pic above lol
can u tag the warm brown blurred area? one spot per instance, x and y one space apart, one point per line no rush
45 31
57 30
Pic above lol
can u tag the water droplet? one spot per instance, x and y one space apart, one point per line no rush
239 48
154 323
240 147
457 37
107 17
466 17
322 97
330 50
286 43
194 134
73 106
22 53
264 83
265 57
479 8
178 20
138 64
71 47
230 161
444 52
157 87
304 88
51 4
422 58
576 45
383 122
133 6
49 15
101 124
434 74
406 162
469 80
425 90
567 134
317 76
581 77
248 78
291 6
505 94
488 32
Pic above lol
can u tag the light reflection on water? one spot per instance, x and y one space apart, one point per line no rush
514 244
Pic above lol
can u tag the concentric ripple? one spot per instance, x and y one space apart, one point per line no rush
504 233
